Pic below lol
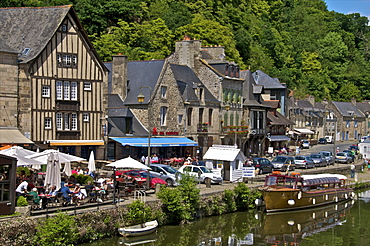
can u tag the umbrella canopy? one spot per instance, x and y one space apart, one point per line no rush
63 157
91 165
21 153
52 176
67 168
128 163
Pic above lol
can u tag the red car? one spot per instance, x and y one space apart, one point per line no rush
140 177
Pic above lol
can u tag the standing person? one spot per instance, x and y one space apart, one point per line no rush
143 159
22 188
352 171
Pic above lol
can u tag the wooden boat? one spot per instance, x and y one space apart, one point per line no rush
139 230
291 192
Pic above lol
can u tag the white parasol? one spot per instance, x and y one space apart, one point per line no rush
128 163
52 176
91 165
21 153
67 168
63 157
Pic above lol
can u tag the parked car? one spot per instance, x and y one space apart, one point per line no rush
349 152
329 139
305 144
166 173
319 160
322 141
303 161
263 165
355 148
329 157
283 162
343 157
140 177
201 173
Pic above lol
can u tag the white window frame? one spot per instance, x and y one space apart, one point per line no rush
163 115
66 90
59 121
86 117
73 91
47 123
59 90
87 86
164 91
45 91
180 118
66 122
74 122
355 123
348 124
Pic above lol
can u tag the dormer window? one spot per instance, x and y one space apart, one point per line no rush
227 70
64 27
25 51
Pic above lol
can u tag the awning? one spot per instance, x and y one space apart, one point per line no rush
303 131
276 138
155 141
75 142
224 154
11 135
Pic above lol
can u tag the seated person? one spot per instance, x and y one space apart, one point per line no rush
77 193
36 199
66 192
49 196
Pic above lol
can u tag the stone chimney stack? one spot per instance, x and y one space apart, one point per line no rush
188 51
311 99
353 101
119 75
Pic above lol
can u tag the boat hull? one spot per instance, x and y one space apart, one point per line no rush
292 199
139 230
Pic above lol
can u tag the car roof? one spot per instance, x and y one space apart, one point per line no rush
159 165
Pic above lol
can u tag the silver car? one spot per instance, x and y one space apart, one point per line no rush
328 156
166 172
303 161
319 160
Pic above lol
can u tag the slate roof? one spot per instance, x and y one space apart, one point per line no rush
268 83
145 74
363 106
272 103
275 118
29 28
304 104
347 109
33 28
186 79
249 90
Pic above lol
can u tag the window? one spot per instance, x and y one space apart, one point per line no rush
74 122
67 60
210 115
47 123
355 123
179 119
200 118
190 112
64 27
59 121
66 122
163 112
45 91
164 92
348 124
87 86
66 90
257 120
25 51
86 117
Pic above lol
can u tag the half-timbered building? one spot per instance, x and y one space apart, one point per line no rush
61 82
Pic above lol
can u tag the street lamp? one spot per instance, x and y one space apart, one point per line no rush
141 99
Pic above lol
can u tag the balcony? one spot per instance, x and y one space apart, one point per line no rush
231 130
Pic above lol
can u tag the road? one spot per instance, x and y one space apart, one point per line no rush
327 147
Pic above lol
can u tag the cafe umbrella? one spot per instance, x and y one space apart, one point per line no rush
52 176
91 165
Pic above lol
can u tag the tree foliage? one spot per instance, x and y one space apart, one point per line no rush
312 50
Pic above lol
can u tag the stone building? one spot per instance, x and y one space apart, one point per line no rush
59 99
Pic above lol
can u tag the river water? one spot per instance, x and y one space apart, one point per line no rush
339 224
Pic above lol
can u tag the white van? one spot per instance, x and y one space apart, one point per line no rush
364 138
329 139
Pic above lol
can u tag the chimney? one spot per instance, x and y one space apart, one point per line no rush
353 101
188 51
119 75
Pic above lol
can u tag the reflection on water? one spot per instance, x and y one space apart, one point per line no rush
339 224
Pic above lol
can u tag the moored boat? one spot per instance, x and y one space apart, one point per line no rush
139 230
291 192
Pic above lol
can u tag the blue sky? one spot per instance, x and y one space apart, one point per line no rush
350 6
